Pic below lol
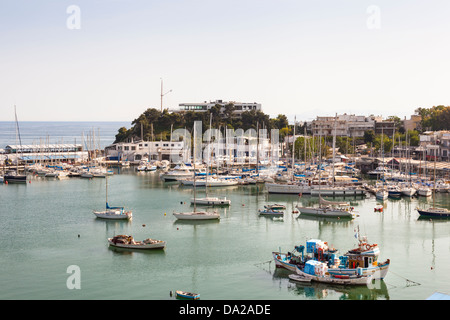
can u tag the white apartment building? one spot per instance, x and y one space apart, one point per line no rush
239 107
346 125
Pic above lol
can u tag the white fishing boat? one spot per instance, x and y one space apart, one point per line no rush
127 242
362 260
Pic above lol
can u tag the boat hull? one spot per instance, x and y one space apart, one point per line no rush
336 192
287 188
434 213
378 272
270 213
153 246
325 212
15 178
196 216
283 261
211 201
112 215
300 276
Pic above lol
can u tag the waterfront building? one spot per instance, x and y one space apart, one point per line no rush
414 123
385 127
136 151
231 150
239 107
435 144
45 153
345 125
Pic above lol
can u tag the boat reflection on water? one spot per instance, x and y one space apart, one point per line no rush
341 220
376 290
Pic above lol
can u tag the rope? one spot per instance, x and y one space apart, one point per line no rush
408 281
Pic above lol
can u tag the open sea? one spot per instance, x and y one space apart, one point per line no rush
48 230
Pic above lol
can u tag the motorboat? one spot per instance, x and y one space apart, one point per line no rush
127 242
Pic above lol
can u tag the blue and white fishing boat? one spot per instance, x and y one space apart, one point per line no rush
318 250
361 260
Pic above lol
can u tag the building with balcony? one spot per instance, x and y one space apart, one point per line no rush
239 107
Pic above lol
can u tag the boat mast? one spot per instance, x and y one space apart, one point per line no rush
334 145
293 148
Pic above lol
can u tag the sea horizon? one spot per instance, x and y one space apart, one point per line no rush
59 132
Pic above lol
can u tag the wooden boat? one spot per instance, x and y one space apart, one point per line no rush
187 295
127 242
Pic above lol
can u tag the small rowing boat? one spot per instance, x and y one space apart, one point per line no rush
187 295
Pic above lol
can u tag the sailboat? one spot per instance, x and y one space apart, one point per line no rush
292 186
207 200
333 190
381 193
433 211
113 213
14 176
327 208
196 215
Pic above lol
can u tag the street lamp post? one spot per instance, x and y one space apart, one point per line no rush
163 94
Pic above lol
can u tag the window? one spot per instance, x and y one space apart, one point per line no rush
126 148
133 148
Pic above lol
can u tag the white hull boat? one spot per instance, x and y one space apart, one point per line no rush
197 215
409 192
424 192
337 191
215 201
113 214
284 188
326 212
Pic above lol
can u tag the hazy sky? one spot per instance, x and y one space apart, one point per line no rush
303 58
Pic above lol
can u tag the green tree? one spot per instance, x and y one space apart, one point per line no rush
369 136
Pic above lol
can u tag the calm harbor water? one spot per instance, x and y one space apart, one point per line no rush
48 225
